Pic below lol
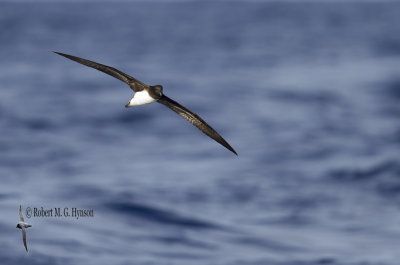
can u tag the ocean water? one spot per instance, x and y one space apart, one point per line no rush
307 94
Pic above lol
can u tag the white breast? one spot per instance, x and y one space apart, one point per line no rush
141 98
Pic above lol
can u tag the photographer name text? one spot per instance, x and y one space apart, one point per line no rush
58 212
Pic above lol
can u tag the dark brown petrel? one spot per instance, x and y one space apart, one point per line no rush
145 94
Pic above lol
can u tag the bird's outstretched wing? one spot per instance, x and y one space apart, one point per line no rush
135 84
21 216
195 119
24 238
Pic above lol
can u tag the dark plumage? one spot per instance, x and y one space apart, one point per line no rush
194 119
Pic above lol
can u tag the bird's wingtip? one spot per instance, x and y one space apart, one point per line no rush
233 151
227 146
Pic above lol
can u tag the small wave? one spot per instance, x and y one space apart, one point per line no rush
302 96
265 244
178 255
388 47
160 216
184 241
393 88
382 178
367 173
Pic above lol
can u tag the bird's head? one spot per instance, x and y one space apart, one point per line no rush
157 90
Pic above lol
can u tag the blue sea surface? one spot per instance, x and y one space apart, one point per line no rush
308 94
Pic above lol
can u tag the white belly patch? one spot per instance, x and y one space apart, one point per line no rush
140 98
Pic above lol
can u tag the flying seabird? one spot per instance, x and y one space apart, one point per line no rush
145 94
22 225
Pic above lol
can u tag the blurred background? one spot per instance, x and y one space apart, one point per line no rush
306 92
